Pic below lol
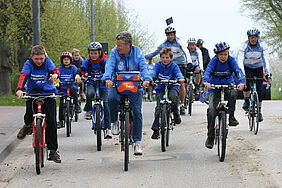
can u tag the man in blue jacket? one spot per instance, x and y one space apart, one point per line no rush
126 57
219 71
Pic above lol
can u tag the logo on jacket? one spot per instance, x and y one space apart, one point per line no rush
121 65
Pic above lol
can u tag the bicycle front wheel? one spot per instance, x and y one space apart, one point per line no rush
98 126
190 99
126 141
38 144
222 136
68 119
164 125
256 118
169 127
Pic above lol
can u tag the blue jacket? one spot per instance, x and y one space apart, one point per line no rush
135 61
79 62
219 73
166 72
37 78
180 52
67 75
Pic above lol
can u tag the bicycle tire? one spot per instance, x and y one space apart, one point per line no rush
122 134
75 116
256 122
253 113
37 145
68 122
190 100
169 120
126 141
163 127
98 126
222 136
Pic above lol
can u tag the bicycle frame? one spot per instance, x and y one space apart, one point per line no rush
41 116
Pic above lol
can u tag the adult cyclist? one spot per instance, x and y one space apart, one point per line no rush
181 57
253 57
205 53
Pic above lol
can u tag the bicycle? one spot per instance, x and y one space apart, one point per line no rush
221 127
253 112
97 109
38 127
126 83
68 108
167 120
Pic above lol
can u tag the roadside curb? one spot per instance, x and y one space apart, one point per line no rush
10 144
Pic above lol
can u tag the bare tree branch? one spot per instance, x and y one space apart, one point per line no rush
274 8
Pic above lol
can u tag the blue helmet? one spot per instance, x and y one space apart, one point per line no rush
221 46
94 46
253 31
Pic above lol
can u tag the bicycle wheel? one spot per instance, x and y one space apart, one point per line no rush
190 99
222 136
38 149
68 121
126 141
169 127
252 113
164 125
98 126
256 114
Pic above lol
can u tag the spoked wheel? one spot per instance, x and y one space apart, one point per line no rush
68 119
38 148
190 100
164 125
98 126
126 141
169 127
252 113
121 135
221 138
256 114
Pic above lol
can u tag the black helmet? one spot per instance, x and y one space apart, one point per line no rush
169 30
221 46
200 42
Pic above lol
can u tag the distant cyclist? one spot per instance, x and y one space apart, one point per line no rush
77 61
181 57
253 57
197 62
149 90
205 53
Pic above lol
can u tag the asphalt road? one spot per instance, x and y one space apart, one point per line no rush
251 160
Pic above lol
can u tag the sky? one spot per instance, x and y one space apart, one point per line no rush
211 20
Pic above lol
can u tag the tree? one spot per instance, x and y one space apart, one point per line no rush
268 14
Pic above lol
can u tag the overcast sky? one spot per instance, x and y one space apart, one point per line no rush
211 20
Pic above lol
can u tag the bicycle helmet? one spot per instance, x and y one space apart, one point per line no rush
66 54
253 31
94 46
169 29
200 42
191 41
221 46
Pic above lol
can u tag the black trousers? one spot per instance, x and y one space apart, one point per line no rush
259 74
74 95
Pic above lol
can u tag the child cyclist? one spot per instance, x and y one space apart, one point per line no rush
39 72
166 69
77 61
96 63
219 71
69 73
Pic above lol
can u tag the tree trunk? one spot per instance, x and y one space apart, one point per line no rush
5 69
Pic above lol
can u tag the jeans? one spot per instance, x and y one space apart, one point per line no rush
214 98
173 96
88 106
136 103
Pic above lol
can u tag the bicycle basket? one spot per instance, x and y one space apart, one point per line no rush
127 82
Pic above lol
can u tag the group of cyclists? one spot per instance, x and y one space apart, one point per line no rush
39 72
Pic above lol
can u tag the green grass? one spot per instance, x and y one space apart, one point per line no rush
11 101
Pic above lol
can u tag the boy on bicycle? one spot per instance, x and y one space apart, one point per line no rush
219 71
96 63
69 73
77 61
166 69
39 72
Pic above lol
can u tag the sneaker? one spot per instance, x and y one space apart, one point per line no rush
25 130
108 134
115 128
260 117
54 156
182 110
77 109
137 149
177 118
60 124
209 142
88 115
156 134
233 121
246 105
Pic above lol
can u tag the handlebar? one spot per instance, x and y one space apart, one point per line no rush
41 95
229 86
166 81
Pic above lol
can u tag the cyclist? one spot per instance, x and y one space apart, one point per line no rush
197 62
219 71
127 57
205 53
253 56
39 72
181 57
77 61
69 73
166 69
96 63
150 66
